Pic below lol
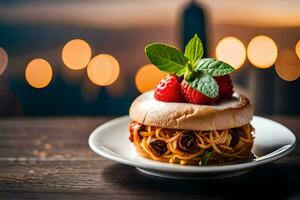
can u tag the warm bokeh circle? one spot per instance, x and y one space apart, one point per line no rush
38 73
232 51
262 51
287 65
3 60
76 54
103 70
297 49
147 77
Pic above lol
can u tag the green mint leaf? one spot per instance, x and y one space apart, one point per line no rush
205 158
213 67
194 49
205 84
166 58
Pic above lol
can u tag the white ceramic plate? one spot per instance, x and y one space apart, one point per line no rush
272 141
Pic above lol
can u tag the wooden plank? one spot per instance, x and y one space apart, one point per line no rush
73 171
93 196
105 177
47 137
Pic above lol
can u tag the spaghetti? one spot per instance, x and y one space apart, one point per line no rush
188 147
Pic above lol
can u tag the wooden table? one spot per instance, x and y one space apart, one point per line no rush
49 158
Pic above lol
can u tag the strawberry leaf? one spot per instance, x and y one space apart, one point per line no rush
194 49
205 84
166 58
213 67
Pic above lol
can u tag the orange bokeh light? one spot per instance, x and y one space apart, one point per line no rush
287 65
232 51
262 51
3 60
76 54
297 49
38 73
103 69
148 77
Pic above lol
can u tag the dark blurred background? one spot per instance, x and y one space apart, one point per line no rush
31 29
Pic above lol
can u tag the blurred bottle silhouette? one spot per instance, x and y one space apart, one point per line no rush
193 21
286 96
261 88
272 95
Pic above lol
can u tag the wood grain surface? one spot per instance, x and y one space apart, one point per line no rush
49 158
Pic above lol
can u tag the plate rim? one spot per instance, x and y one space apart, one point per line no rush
188 169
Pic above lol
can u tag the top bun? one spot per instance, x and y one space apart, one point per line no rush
231 113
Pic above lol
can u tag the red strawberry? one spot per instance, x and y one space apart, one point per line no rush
193 96
225 86
168 89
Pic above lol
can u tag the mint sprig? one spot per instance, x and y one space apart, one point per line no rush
197 71
213 67
166 58
194 50
205 83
